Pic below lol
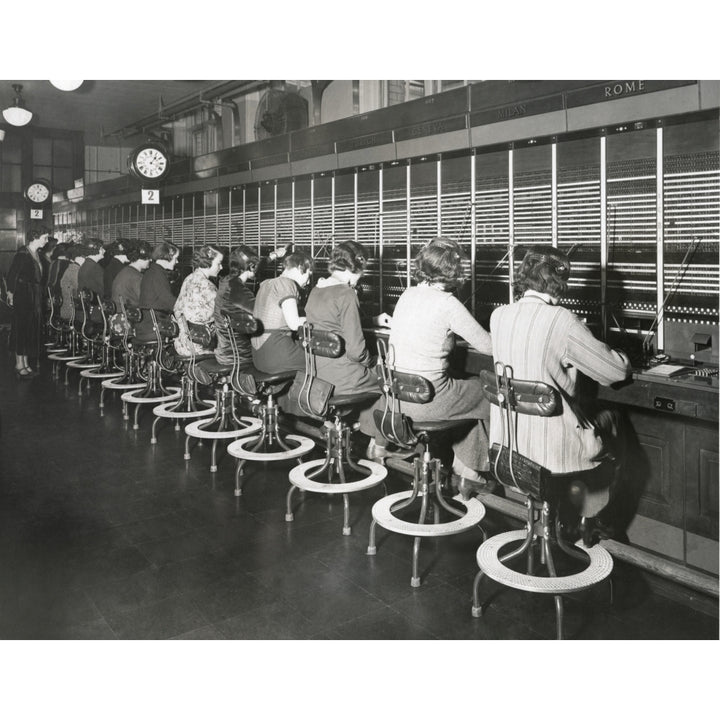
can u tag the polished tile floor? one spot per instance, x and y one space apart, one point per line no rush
107 536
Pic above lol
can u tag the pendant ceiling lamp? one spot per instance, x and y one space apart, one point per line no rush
67 85
16 114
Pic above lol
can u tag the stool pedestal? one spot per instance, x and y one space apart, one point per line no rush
153 392
427 489
268 439
188 405
337 459
129 379
224 425
491 561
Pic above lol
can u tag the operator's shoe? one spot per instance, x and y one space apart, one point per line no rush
380 452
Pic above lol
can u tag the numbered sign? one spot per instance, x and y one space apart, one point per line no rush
150 197
36 214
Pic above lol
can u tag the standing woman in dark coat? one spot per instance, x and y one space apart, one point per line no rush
24 284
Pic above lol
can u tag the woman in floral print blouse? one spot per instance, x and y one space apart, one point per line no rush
196 300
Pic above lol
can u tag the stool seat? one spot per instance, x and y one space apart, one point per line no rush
354 399
601 565
432 426
210 364
269 378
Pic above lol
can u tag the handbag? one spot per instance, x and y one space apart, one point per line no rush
311 394
395 427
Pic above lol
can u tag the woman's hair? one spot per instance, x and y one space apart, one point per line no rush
165 251
61 250
242 258
348 255
78 250
440 261
116 247
93 245
50 245
299 260
545 270
137 250
35 233
203 257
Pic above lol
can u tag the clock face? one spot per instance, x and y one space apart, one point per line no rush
151 163
38 192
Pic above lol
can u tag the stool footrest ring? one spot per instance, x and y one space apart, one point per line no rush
382 514
297 478
237 449
601 565
194 430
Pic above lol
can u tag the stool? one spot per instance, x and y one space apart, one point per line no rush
224 425
99 314
427 484
121 328
55 324
257 388
265 406
189 404
543 493
90 361
336 432
165 329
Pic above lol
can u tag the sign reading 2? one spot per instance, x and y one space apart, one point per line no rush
150 197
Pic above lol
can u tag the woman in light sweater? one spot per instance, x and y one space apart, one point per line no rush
426 320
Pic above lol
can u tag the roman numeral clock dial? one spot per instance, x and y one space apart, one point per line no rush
38 192
149 162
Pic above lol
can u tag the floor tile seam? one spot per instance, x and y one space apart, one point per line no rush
92 602
388 606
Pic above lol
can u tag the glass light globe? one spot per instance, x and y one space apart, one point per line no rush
67 85
17 115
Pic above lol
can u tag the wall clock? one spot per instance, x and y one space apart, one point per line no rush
149 161
38 191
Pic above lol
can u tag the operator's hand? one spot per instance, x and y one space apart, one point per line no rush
383 320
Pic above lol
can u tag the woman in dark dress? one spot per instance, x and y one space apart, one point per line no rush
155 290
276 308
333 305
24 284
233 294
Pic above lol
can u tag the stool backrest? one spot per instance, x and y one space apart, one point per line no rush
321 343
312 393
398 386
199 334
525 397
55 301
238 323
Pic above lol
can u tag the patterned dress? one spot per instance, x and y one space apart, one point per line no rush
196 301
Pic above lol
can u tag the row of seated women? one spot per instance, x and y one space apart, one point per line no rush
542 340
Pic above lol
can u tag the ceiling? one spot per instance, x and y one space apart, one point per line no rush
101 108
